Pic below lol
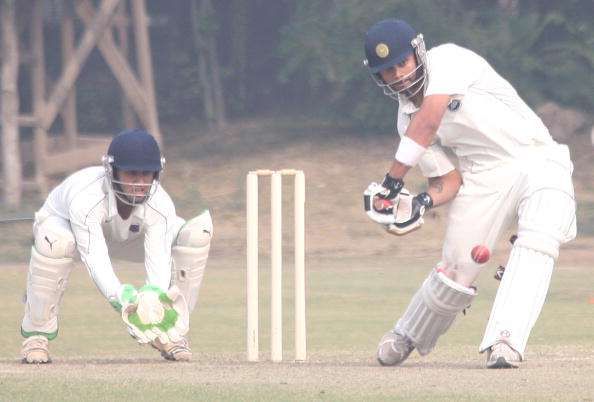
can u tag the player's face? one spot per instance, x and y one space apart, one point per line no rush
136 183
401 75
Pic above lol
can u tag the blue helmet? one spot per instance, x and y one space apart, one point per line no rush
133 150
388 43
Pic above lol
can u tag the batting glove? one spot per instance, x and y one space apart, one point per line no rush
409 213
392 187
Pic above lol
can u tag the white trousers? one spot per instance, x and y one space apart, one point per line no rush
537 193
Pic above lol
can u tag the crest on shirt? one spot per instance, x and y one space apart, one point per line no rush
454 105
382 50
134 228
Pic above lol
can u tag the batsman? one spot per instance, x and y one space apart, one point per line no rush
118 207
488 154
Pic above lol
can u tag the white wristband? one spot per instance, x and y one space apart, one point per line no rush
409 152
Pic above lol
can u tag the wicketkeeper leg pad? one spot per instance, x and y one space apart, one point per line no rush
54 238
190 254
46 283
432 310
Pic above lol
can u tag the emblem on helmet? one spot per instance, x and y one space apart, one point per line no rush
382 50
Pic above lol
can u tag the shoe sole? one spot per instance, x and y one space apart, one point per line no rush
25 361
501 363
178 354
177 358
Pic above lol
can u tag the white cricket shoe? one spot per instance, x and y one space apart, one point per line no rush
175 351
35 350
393 349
501 356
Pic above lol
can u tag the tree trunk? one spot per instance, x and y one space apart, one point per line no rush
208 63
69 109
239 37
213 60
510 7
205 82
145 64
12 168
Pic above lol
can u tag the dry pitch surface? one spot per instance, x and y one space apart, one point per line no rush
94 359
553 374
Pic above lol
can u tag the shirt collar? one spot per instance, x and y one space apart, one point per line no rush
406 106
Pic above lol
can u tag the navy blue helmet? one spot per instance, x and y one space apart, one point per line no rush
388 43
133 150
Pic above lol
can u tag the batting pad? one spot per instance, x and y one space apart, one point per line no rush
520 298
432 310
190 255
46 283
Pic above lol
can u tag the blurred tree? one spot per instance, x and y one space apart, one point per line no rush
204 27
532 43
11 165
239 26
218 60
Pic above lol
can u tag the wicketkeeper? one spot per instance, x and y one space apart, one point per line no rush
118 205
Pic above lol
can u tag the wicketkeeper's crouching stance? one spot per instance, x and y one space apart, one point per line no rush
121 205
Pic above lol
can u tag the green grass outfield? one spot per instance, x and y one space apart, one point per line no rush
350 304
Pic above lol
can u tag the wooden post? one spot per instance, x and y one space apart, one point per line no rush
118 65
122 24
70 73
38 90
145 65
205 81
11 157
69 110
213 61
208 70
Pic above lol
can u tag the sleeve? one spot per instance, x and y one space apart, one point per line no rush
91 245
452 70
159 236
435 162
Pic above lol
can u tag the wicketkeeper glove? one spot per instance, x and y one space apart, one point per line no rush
126 302
158 314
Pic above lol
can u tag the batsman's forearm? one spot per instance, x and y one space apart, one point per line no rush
412 147
420 134
398 170
444 188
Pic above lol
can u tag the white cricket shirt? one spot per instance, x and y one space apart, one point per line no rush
88 202
486 123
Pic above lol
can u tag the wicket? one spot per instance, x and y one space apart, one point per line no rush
276 340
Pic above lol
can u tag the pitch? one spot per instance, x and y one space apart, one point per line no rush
351 301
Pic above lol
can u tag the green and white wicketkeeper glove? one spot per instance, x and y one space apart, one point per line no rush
151 313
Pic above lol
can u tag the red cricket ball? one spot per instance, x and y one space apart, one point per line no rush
480 254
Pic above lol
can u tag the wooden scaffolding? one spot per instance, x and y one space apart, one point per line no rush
68 151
